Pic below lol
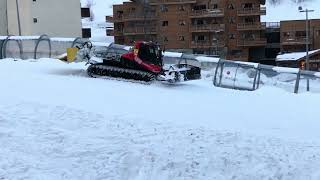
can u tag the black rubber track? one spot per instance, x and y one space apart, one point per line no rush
117 72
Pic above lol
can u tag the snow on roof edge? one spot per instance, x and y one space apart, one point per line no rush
295 56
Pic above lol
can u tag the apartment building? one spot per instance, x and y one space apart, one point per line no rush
293 35
229 28
58 18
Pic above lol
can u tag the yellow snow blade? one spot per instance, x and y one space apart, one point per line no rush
72 54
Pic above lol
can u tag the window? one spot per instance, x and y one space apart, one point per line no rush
236 52
85 12
200 22
286 34
200 38
247 5
35 20
230 6
199 7
165 39
181 38
301 34
163 8
182 22
232 20
231 36
165 23
215 6
86 33
181 8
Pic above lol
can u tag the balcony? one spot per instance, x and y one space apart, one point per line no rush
117 18
252 11
302 40
252 42
207 28
140 30
159 2
139 17
251 26
206 44
207 13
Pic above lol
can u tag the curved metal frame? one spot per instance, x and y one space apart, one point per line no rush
43 37
4 47
216 72
76 40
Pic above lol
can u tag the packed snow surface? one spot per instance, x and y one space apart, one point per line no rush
57 123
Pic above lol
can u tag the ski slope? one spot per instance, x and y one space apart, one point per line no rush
57 123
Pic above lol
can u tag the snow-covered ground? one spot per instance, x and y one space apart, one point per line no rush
57 123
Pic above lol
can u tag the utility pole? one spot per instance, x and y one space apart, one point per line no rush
216 41
145 19
18 17
307 42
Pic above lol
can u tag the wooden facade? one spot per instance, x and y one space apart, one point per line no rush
293 35
230 28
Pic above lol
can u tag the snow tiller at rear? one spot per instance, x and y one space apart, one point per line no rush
144 62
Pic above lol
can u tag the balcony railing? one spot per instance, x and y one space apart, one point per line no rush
295 40
207 28
252 42
251 26
207 13
207 44
157 2
139 17
252 11
140 30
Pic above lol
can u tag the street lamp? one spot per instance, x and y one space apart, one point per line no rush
307 42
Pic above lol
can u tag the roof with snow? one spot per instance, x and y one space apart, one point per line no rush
297 56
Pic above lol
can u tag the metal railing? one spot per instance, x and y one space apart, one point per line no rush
295 40
252 11
252 42
207 13
252 26
207 44
139 16
207 28
157 2
140 30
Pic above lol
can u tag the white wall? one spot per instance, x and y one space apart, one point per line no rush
58 18
3 18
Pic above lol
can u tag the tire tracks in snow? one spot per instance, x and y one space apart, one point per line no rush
56 142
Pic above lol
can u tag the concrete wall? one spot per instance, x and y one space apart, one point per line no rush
58 18
3 18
